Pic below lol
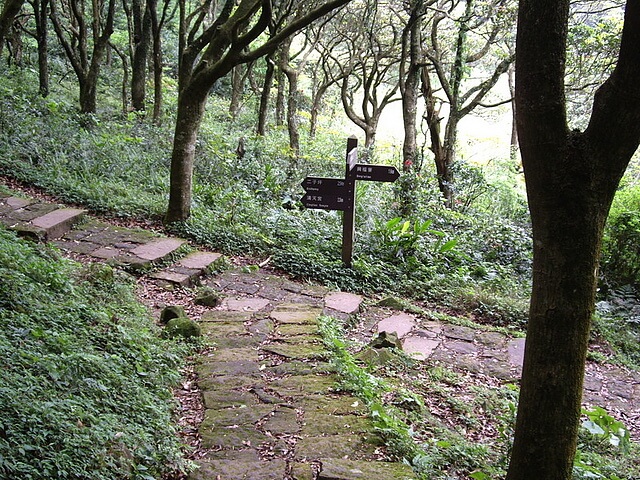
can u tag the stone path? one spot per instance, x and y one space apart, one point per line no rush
271 406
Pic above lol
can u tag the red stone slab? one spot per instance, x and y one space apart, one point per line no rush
157 249
15 202
419 347
199 260
58 222
173 277
343 302
401 324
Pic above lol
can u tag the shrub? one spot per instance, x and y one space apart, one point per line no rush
84 377
621 243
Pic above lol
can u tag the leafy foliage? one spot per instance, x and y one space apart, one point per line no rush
85 380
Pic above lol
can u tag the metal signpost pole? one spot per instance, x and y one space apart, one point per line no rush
348 215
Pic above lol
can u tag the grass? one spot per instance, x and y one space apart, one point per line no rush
85 380
453 424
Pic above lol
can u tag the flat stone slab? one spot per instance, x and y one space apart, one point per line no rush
15 202
343 302
334 404
340 469
419 347
248 304
225 316
217 400
212 368
401 324
462 347
292 329
316 424
298 385
459 332
333 446
296 313
58 222
296 351
282 422
157 249
199 260
238 469
105 253
176 278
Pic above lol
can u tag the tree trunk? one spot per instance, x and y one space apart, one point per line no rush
152 6
237 88
15 45
571 180
263 109
9 11
410 88
42 39
315 109
191 106
292 112
280 96
88 94
141 40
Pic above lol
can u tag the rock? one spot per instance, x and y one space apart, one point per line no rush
386 340
171 312
208 297
182 327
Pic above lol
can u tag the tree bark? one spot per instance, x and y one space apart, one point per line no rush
237 89
141 40
42 39
409 87
191 106
9 11
265 95
571 180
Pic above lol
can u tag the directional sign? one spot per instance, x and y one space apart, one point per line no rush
327 201
322 185
376 173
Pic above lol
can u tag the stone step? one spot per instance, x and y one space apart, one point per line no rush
157 250
58 222
188 270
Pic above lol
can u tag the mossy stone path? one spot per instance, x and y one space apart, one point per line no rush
272 410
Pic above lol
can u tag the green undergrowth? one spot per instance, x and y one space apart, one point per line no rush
450 424
119 165
85 379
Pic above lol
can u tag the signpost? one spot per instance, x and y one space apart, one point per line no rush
340 194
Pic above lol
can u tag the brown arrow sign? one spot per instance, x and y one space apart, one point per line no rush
326 201
376 173
322 185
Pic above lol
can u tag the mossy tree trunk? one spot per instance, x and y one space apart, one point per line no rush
571 179
208 53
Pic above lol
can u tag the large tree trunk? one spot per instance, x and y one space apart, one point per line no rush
191 106
571 180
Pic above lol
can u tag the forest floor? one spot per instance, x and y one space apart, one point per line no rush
261 400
